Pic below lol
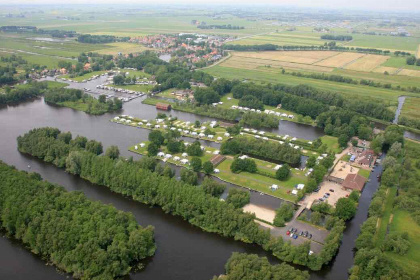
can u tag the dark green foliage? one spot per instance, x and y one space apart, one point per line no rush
208 167
94 147
259 120
79 236
264 149
397 243
35 89
100 39
316 218
311 162
354 196
336 37
196 164
283 173
345 209
152 149
238 198
189 177
206 96
247 165
234 130
252 102
195 149
283 214
112 152
175 147
322 207
251 267
212 187
156 137
311 185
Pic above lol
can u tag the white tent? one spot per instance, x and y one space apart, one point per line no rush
294 192
300 186
274 187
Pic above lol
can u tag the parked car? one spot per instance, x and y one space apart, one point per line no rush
327 194
295 230
287 232
331 190
301 233
295 236
310 236
291 235
306 234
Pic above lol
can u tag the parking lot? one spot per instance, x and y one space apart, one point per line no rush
326 187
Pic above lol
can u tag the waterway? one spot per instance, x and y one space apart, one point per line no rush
184 251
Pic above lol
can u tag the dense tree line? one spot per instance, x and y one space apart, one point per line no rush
411 60
336 37
137 180
7 75
257 120
218 26
248 165
264 149
86 238
263 47
238 198
251 267
283 214
100 39
32 90
95 106
147 59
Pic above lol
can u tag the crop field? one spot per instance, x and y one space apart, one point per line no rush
283 39
304 57
383 69
411 108
339 59
367 63
121 47
418 52
408 72
270 75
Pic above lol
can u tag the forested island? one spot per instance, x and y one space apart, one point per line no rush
88 239
76 99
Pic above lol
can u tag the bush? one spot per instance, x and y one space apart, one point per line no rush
208 167
283 214
212 187
189 177
345 209
397 243
283 173
238 198
196 164
195 149
247 165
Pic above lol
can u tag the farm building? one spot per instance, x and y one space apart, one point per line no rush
163 106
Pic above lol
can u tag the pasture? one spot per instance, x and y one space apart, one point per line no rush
367 62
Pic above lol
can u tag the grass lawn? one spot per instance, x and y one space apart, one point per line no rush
84 77
332 143
398 62
55 85
403 222
137 73
363 172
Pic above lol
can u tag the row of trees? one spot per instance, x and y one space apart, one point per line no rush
77 235
194 204
413 61
251 267
264 149
336 37
100 39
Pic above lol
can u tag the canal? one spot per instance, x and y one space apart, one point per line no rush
184 251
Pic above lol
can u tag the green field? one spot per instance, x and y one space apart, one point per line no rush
283 39
403 222
332 143
385 42
275 76
411 108
363 172
399 62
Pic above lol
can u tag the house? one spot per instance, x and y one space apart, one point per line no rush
163 106
354 182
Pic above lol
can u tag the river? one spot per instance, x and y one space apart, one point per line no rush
184 251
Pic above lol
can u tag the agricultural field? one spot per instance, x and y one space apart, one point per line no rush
367 63
271 75
411 108
339 60
391 43
282 39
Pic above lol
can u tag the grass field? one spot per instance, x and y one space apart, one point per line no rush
339 59
332 143
122 47
363 172
367 62
283 39
403 222
411 108
384 221
385 42
270 75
